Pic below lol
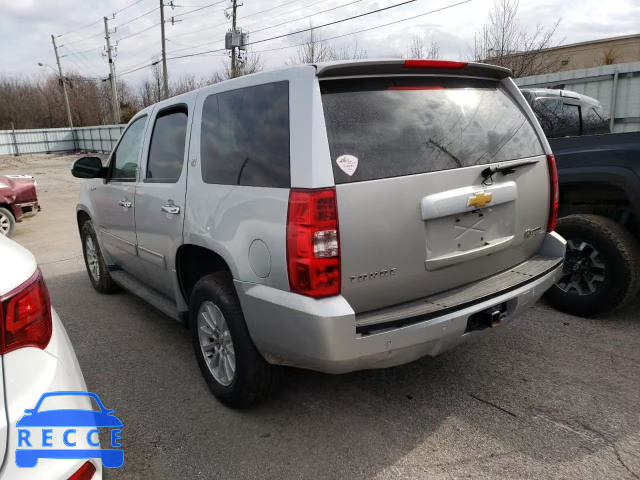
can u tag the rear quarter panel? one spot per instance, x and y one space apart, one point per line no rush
227 219
609 158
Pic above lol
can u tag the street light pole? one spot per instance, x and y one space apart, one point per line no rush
64 86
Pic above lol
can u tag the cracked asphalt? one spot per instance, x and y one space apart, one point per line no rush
547 396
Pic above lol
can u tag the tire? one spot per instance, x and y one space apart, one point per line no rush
96 268
253 379
607 259
7 222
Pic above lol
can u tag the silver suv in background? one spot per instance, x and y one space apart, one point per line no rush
335 217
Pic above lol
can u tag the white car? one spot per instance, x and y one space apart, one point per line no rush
37 357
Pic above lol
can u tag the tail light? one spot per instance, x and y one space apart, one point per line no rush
85 472
555 193
25 315
444 64
313 243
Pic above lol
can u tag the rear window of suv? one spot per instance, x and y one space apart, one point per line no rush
391 127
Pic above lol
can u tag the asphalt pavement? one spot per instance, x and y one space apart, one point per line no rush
546 396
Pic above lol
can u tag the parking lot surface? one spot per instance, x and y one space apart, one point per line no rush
549 395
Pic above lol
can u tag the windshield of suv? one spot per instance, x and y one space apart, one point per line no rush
404 126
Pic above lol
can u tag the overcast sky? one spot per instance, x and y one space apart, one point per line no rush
26 27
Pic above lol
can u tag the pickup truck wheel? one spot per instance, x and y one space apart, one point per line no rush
7 222
602 266
230 363
96 268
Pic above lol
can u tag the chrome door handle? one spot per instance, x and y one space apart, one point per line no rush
125 203
170 208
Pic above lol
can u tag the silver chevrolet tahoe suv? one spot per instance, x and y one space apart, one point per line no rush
335 217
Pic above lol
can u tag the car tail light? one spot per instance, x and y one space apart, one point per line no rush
444 64
313 243
25 315
555 193
85 472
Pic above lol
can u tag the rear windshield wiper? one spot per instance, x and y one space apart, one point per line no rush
507 168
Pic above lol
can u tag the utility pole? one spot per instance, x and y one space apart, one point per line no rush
164 52
64 86
234 73
115 105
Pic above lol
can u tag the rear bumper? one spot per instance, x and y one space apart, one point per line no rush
294 330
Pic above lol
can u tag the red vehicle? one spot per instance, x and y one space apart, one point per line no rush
18 198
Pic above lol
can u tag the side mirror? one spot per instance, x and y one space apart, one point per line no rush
88 167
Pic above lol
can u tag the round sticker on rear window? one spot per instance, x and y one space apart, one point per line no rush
348 164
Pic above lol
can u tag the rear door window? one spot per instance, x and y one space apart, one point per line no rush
392 127
558 119
244 138
166 152
594 120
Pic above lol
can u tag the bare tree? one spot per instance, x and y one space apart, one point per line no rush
419 49
347 53
314 49
609 56
249 63
37 102
505 42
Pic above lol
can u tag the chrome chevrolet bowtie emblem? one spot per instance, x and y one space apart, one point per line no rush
479 199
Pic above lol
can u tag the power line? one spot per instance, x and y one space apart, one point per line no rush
81 28
252 15
100 20
93 67
334 37
85 51
278 24
326 39
136 54
319 26
75 42
282 14
138 33
129 6
201 14
136 18
139 68
378 10
366 29
308 16
201 8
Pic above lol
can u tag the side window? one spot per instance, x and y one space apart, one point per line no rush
557 118
245 136
594 120
126 158
166 152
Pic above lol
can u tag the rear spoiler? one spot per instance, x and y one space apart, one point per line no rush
358 68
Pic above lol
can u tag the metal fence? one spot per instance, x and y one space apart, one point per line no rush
100 139
617 87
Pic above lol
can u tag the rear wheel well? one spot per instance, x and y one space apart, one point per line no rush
193 263
604 199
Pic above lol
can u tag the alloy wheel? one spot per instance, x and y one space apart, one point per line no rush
583 269
216 343
5 224
92 258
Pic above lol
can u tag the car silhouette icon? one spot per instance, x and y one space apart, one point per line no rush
28 457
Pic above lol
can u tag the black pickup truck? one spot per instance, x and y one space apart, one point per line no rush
599 174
